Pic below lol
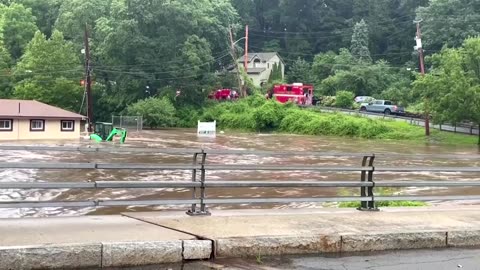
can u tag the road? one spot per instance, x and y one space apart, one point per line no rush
446 259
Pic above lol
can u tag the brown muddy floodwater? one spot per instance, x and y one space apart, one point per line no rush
186 138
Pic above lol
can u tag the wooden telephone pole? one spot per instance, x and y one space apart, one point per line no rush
237 68
88 82
418 39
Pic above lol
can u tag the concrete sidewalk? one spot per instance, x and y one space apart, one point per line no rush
136 239
271 232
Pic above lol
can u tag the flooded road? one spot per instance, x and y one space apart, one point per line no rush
186 138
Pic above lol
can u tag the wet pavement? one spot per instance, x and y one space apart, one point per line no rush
186 138
446 259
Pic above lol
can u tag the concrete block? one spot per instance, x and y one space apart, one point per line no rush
119 254
276 245
392 241
197 249
59 256
463 238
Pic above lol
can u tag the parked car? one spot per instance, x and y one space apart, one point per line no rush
361 99
382 106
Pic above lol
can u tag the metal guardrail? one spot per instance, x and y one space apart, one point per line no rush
199 183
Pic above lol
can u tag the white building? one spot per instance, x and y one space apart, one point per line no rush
260 66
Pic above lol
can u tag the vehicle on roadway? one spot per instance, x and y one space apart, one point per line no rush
362 99
382 106
297 93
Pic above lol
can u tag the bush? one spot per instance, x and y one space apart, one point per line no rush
344 99
187 117
156 112
268 116
328 101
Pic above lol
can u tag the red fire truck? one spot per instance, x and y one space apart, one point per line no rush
223 94
298 93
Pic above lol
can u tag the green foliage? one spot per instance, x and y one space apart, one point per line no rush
359 44
17 27
49 71
451 90
385 204
449 22
344 99
45 12
187 117
300 71
328 101
276 74
382 192
156 112
5 72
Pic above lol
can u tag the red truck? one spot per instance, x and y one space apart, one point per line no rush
298 93
224 94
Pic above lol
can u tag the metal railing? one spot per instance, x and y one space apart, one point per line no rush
199 184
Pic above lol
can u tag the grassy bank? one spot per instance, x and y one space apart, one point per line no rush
256 114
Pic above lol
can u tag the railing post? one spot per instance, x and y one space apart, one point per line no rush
203 210
367 176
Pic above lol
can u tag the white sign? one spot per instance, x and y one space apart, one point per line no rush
207 129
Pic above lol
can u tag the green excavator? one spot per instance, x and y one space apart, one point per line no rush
106 132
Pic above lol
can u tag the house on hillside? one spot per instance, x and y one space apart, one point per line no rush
33 120
261 65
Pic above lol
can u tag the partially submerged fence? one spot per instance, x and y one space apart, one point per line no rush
132 123
199 184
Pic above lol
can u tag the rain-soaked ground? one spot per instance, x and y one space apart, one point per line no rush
186 138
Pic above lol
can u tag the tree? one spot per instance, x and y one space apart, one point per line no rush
449 22
452 89
300 71
50 72
5 73
73 15
45 12
359 44
276 73
17 27
156 112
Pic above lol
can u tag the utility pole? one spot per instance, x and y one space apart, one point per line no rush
246 49
88 82
418 39
234 56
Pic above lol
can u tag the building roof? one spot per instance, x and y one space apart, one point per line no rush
33 108
263 56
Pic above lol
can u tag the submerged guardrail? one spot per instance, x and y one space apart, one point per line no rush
200 184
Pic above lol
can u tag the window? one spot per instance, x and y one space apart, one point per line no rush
387 103
37 125
6 125
67 125
378 102
256 63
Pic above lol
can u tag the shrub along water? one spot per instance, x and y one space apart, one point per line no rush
254 113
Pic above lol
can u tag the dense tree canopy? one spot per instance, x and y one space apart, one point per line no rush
179 50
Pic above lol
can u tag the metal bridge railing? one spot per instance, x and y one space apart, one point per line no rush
199 184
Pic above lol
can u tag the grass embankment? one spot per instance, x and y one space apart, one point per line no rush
380 192
256 114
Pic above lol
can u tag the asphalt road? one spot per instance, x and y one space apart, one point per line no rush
447 259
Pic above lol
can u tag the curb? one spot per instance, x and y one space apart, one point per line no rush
122 254
100 255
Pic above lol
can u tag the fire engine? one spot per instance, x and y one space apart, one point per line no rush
223 94
298 93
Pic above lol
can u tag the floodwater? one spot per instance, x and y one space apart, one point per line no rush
186 138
